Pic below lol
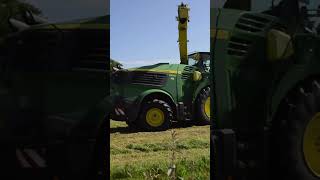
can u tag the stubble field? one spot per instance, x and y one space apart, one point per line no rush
149 155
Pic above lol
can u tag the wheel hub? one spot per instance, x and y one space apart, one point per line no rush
155 117
311 144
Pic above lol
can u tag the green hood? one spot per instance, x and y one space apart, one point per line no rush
160 68
101 22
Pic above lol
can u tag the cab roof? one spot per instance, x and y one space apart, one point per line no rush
195 55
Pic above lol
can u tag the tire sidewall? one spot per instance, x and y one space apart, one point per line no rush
287 153
296 143
201 117
142 122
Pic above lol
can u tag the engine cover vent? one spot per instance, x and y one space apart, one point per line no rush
187 72
252 23
238 47
149 78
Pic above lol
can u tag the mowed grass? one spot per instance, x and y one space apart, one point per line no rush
147 155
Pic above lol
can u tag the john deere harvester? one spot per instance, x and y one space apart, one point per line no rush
266 89
152 97
53 89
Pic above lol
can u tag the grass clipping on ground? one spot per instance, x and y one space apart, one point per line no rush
181 153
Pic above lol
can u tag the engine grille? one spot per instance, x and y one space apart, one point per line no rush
252 23
238 47
149 78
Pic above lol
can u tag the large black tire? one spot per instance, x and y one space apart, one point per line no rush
160 106
288 134
202 117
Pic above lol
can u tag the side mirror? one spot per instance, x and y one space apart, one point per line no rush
197 76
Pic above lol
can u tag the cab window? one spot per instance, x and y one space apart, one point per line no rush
202 62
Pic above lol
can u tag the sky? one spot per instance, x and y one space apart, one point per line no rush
145 32
142 32
64 10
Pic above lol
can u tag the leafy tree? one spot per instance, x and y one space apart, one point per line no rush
114 63
14 8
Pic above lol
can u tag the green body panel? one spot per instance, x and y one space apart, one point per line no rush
242 83
102 22
248 87
149 92
186 88
135 90
306 66
200 86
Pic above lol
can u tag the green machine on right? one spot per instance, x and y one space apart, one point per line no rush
265 71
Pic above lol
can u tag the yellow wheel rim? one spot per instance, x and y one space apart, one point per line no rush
311 144
155 117
207 107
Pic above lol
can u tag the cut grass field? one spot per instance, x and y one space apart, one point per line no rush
147 155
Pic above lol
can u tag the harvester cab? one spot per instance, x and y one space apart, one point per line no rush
265 70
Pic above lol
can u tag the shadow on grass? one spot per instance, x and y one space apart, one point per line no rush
129 130
123 130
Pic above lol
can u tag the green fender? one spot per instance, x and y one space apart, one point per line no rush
201 86
293 76
142 96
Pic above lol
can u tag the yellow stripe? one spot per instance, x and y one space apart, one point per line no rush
95 26
222 34
157 70
84 26
81 26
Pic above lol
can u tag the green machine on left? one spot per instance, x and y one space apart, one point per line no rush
54 87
